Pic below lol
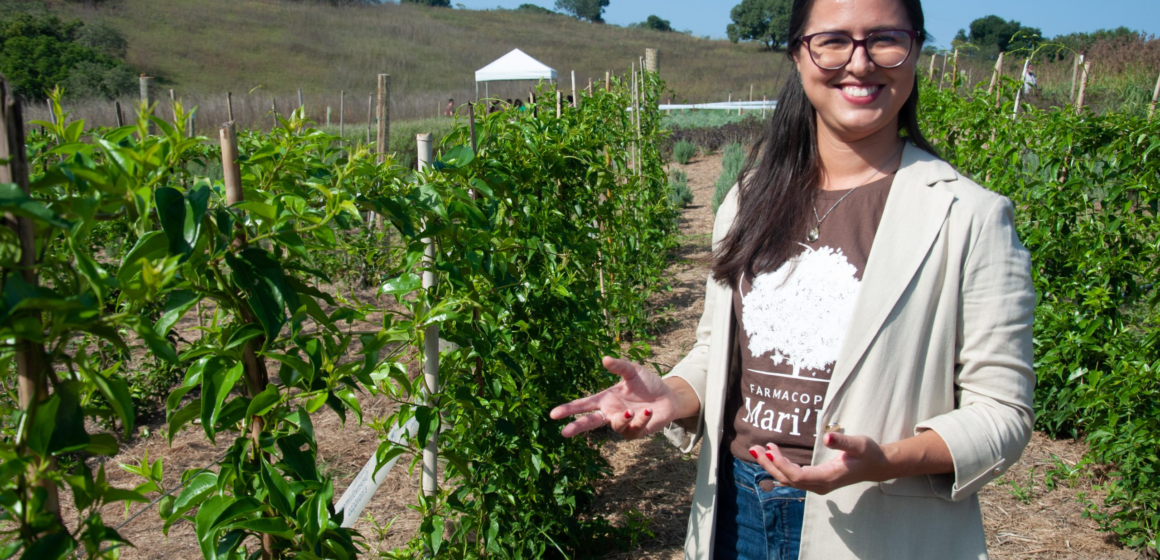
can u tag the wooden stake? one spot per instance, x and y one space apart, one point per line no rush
751 93
1083 79
342 115
471 192
328 116
51 113
559 104
146 98
229 106
1075 75
383 112
652 61
764 105
930 73
955 69
300 103
575 96
120 116
274 109
607 80
1022 85
997 80
257 378
1155 99
942 73
31 362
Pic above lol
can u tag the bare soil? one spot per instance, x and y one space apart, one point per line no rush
1022 516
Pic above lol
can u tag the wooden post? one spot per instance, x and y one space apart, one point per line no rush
1083 79
173 105
328 116
430 341
751 93
383 112
31 361
1155 99
274 109
955 69
639 148
120 116
997 80
300 103
1022 84
930 73
942 73
471 192
146 97
229 106
370 116
51 113
575 95
652 61
559 104
257 378
341 114
589 85
191 127
607 80
1075 64
764 105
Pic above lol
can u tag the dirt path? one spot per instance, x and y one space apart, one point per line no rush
1022 517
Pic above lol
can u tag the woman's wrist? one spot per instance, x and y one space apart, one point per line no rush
923 454
686 405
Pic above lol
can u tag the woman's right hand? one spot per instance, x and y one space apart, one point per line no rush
640 404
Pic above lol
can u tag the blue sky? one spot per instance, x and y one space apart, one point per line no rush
943 17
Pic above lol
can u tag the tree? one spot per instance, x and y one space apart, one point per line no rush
591 10
1003 36
655 23
764 21
38 53
534 9
432 3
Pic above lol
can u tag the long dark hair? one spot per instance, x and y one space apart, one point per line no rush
779 182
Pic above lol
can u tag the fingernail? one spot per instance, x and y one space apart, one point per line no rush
754 453
770 455
628 414
647 412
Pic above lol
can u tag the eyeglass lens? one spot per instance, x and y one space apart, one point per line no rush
887 49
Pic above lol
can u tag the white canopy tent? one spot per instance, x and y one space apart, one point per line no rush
514 66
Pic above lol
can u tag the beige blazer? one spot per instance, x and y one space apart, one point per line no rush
940 340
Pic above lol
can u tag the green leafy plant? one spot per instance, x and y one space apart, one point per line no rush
684 151
680 195
732 160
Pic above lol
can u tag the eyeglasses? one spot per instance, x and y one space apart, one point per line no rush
834 50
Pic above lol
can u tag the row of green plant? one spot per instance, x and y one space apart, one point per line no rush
732 161
546 248
1086 188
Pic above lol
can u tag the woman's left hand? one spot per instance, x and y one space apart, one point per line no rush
861 459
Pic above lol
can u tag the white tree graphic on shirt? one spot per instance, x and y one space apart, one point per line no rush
800 311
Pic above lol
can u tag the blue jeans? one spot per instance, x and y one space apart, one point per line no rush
757 518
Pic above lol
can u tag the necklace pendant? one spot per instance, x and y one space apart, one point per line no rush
812 236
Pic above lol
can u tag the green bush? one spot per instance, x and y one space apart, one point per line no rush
1086 189
732 160
680 195
41 52
684 151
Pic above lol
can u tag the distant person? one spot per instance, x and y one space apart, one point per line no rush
494 108
1029 81
519 105
449 110
571 101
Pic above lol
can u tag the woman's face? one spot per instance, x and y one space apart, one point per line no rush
861 99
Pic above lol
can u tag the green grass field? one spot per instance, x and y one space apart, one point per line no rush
203 48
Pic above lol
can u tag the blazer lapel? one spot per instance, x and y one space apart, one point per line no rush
911 221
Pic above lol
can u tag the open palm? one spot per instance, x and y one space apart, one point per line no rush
640 404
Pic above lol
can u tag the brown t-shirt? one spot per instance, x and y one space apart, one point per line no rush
791 324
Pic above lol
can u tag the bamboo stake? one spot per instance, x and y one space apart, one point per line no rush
300 103
257 378
607 80
1022 85
1155 99
559 104
328 116
955 69
1082 87
575 96
997 80
430 341
229 106
274 109
342 115
173 105
31 361
370 115
120 116
930 73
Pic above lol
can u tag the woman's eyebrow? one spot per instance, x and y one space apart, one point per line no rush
870 30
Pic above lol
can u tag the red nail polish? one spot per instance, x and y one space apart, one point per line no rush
647 412
754 453
770 455
628 414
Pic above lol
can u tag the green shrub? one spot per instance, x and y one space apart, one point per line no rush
732 160
680 195
1085 189
683 152
40 52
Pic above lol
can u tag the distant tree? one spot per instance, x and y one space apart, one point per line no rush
104 39
534 9
591 10
432 3
1002 35
655 23
39 52
764 21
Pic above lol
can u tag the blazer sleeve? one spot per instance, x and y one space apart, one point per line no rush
694 368
994 380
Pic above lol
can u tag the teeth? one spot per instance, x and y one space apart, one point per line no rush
860 91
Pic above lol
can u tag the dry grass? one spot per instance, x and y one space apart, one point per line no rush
204 48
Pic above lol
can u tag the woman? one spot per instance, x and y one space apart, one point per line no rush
863 364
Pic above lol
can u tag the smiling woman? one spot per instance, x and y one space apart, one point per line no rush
863 363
